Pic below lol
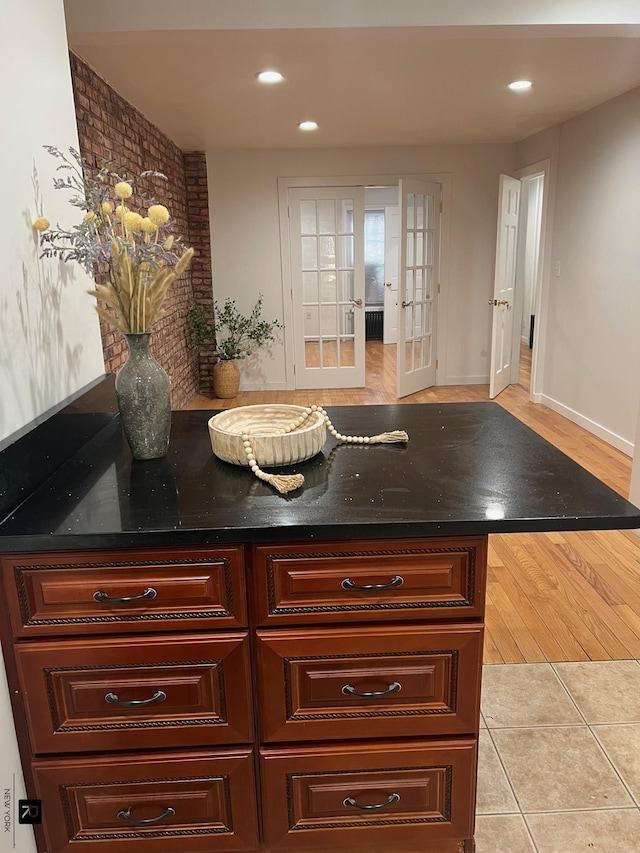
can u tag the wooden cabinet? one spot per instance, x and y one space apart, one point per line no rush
162 691
369 795
196 802
111 592
356 683
422 579
314 696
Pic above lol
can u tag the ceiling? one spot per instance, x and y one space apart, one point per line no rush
365 86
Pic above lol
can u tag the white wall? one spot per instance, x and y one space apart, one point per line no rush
245 230
592 346
50 343
48 328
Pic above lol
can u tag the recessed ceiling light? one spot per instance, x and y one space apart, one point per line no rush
308 125
519 85
269 77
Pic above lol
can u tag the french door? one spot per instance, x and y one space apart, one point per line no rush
391 246
326 227
417 285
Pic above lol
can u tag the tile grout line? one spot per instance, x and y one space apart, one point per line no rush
634 806
566 690
534 846
510 784
592 732
615 769
506 775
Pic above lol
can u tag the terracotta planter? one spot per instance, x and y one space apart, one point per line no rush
226 380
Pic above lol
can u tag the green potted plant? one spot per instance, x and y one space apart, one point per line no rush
233 335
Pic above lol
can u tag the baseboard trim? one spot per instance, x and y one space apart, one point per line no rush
596 429
270 386
464 380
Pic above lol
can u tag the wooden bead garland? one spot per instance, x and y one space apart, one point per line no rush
288 482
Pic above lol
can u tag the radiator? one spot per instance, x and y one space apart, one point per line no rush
373 324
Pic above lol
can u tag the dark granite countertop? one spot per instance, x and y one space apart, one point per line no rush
469 468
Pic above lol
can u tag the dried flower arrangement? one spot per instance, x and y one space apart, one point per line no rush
141 255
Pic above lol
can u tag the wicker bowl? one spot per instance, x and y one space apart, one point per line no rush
262 422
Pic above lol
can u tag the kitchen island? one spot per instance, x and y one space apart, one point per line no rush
200 663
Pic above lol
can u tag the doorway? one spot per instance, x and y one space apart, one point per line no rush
518 297
331 288
532 199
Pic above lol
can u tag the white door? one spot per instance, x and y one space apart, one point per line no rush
391 238
417 285
504 285
327 274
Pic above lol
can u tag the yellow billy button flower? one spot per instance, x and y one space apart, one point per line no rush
121 211
168 243
89 215
107 208
148 226
41 224
158 214
132 221
123 190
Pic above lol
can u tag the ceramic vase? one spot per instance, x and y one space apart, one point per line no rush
143 391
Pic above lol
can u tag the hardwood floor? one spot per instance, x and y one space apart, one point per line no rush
551 596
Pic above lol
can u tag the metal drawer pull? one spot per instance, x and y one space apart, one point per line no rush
391 799
347 583
122 815
348 690
103 597
158 696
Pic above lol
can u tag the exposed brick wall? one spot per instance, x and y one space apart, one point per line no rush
199 237
111 131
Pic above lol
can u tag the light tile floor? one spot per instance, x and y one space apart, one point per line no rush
559 758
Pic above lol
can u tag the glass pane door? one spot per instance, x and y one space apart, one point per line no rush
326 228
420 222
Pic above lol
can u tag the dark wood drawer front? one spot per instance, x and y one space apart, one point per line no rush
422 792
186 691
164 590
199 802
424 681
373 580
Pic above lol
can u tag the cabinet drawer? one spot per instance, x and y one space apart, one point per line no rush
194 690
73 593
377 579
212 796
421 792
421 680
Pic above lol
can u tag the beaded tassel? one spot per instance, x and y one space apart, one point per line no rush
394 437
289 482
282 482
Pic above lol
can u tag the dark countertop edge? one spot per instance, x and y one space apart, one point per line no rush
28 462
289 534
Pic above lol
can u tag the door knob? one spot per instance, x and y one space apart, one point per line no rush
407 304
499 302
357 302
388 284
